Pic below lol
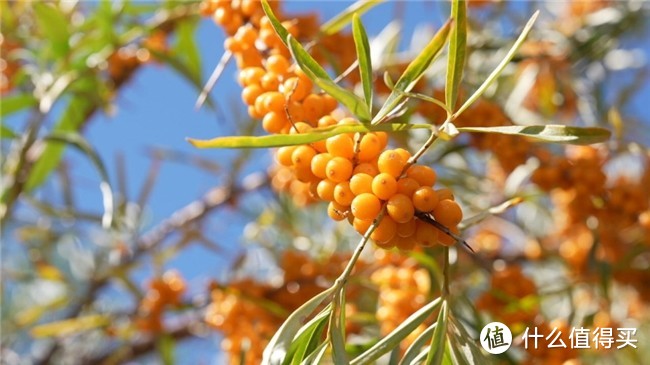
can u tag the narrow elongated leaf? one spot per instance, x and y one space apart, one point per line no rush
321 78
549 133
15 103
414 349
389 342
278 347
437 347
54 26
303 344
69 326
7 133
279 140
342 19
339 355
186 46
282 32
457 52
363 55
413 72
464 348
317 355
497 71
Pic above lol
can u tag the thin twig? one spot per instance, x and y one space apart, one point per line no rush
214 77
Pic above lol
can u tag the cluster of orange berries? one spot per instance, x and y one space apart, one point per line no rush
350 171
163 292
404 287
125 61
265 307
9 67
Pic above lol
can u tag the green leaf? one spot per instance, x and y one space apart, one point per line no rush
15 103
549 133
321 78
6 132
187 48
282 32
54 26
413 72
307 338
392 340
457 52
414 349
316 356
74 115
339 355
342 19
77 140
363 55
497 71
165 345
437 347
69 326
280 343
318 134
464 347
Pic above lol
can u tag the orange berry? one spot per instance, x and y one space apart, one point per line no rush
250 93
300 127
284 155
360 225
407 186
445 239
336 211
425 199
424 175
270 81
274 101
425 234
303 173
247 35
403 243
277 64
251 75
361 183
385 231
252 111
342 193
391 162
365 206
329 103
340 145
302 156
339 169
400 208
296 112
319 164
383 139
384 186
313 107
406 155
274 122
448 213
366 168
325 190
406 229
369 147
445 194
326 121
296 89
233 45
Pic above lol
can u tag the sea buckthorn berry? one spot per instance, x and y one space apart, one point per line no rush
383 139
313 107
407 186
260 104
365 206
270 81
406 229
445 239
325 190
254 113
341 145
445 194
385 231
251 75
319 164
274 101
369 147
250 93
296 112
424 175
406 155
384 186
222 16
329 103
326 121
336 211
246 35
339 169
391 162
448 213
274 122
425 234
403 243
360 225
284 155
302 156
295 89
303 173
300 127
342 193
366 168
400 208
277 64
425 199
361 183
233 45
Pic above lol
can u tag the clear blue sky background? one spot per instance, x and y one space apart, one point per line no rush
156 109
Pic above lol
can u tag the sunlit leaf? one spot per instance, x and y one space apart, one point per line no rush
416 346
549 133
464 347
278 347
54 26
7 133
342 19
321 78
436 349
414 72
70 326
315 135
186 46
363 55
306 339
15 103
282 32
457 52
497 71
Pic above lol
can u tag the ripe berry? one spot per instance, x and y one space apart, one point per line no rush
384 186
339 169
341 145
385 231
319 164
425 199
365 206
325 190
400 208
424 175
361 183
448 213
342 193
391 162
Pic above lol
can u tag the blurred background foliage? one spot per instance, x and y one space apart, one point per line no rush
91 270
